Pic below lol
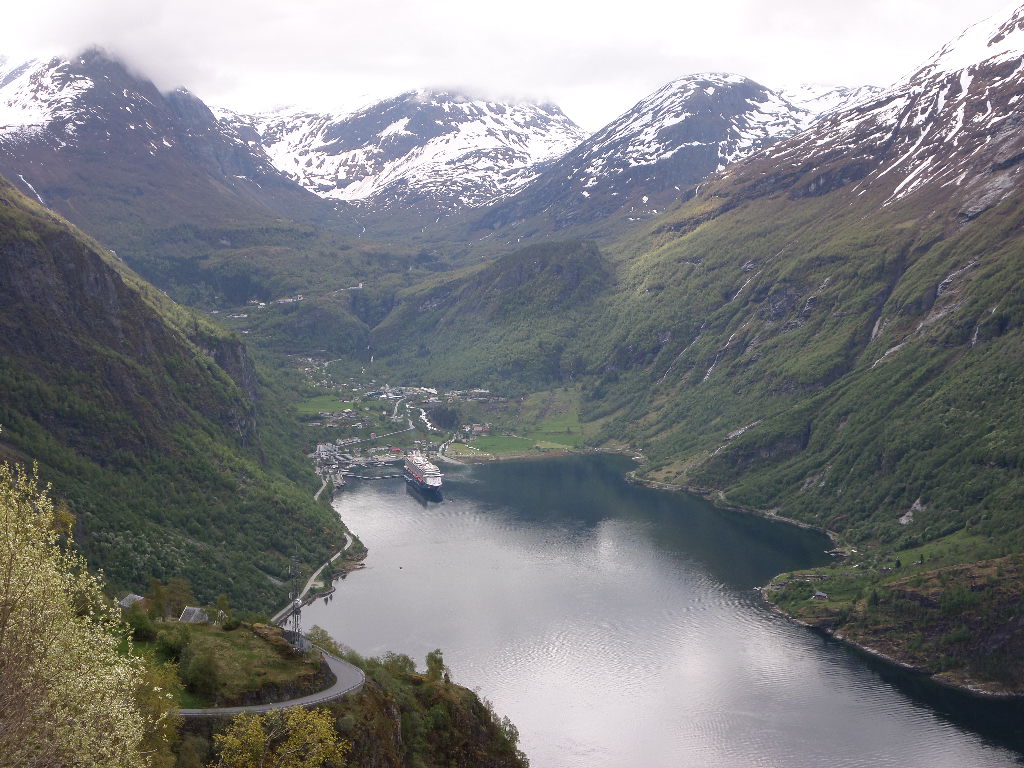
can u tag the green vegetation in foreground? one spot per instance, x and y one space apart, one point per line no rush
89 697
441 724
960 623
401 717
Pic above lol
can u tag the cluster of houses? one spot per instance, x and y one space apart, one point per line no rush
428 396
343 418
190 615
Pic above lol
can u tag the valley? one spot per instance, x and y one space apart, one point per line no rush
805 303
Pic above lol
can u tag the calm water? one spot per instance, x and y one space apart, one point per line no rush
618 627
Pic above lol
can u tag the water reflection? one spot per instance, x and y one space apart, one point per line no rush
618 626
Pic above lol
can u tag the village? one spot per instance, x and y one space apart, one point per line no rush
380 424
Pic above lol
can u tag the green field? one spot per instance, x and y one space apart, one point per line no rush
328 403
500 444
458 450
553 418
244 659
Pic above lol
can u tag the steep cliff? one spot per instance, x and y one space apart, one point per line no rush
150 421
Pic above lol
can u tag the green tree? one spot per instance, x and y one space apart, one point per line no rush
179 595
289 738
223 606
436 668
67 696
201 673
156 598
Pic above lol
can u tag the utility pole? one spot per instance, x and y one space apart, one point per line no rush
295 619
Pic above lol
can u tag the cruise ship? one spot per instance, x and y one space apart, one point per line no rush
421 474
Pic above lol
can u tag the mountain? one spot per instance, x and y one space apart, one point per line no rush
153 175
820 100
193 205
156 429
510 322
437 151
951 124
652 155
863 273
88 124
829 331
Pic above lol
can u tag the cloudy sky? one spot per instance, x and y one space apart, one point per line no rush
594 60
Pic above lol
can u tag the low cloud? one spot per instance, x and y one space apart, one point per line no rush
328 53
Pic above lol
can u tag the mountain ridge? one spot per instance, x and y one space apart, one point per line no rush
437 149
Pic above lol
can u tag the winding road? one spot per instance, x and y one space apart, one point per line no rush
350 679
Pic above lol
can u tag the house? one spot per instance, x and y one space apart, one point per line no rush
819 596
129 600
193 615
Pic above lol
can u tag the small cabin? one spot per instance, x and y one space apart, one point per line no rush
129 600
193 615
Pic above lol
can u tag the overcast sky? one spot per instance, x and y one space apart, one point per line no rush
594 60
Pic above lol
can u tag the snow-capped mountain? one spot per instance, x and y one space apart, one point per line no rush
956 123
434 150
35 94
649 156
820 100
82 132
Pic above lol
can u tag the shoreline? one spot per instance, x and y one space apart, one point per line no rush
538 454
714 497
934 678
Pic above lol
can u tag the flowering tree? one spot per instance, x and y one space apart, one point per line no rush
290 738
67 696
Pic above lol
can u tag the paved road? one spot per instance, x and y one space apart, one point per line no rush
316 495
280 615
350 679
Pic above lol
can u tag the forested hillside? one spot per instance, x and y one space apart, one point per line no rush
157 431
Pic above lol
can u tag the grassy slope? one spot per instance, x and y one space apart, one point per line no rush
400 718
863 388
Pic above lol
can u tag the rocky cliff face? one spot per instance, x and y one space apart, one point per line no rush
67 310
